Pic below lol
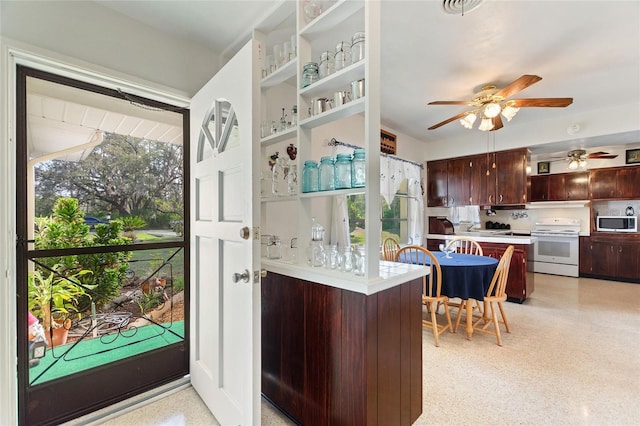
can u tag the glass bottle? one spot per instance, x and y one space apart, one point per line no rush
309 74
327 179
294 116
343 171
283 122
358 171
310 176
280 172
292 180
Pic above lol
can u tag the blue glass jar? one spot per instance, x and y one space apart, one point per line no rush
358 171
327 178
310 176
343 171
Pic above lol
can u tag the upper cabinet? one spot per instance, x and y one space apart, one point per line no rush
615 182
483 179
560 187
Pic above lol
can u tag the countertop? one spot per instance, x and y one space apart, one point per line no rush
391 275
488 237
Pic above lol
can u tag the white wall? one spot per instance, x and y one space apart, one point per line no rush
89 32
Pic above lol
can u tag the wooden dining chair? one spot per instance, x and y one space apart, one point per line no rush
431 286
465 245
496 294
390 248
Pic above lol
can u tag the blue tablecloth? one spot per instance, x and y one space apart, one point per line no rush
464 275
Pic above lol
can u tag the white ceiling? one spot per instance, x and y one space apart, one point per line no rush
588 50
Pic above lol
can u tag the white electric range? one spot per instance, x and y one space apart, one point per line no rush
557 248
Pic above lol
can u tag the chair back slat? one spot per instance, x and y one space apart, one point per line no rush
466 245
419 255
390 248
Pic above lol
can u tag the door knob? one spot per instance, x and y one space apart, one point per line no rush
263 273
244 233
243 276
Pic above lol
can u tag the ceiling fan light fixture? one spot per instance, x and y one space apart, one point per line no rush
468 120
509 111
492 110
486 124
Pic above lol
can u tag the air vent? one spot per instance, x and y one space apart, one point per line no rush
460 7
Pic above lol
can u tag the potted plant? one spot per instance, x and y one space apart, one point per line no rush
53 298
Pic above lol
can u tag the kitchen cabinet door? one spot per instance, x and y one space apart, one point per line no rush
575 186
478 188
628 182
603 258
437 195
458 172
585 255
602 183
627 256
539 188
512 176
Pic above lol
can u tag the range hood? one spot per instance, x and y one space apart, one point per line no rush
558 204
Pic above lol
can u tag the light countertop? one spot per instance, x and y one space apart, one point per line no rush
488 237
391 275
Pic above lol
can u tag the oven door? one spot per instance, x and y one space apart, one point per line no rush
556 249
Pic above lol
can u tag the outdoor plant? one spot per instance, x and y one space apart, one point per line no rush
66 229
130 224
53 297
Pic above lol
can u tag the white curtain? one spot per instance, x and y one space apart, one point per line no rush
392 173
465 214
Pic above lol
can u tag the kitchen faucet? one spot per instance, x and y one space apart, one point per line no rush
470 227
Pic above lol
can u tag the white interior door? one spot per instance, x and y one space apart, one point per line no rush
225 308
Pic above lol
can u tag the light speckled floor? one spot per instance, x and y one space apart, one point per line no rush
573 357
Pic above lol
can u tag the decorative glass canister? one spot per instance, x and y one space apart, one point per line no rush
310 176
327 179
326 64
357 47
309 74
343 171
342 58
358 173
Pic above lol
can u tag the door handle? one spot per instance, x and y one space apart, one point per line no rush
243 276
244 233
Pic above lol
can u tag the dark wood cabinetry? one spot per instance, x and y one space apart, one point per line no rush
332 356
437 192
520 282
560 187
611 257
615 182
484 179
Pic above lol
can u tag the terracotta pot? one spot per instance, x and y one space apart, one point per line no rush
59 335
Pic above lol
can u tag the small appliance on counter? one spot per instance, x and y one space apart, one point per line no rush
440 225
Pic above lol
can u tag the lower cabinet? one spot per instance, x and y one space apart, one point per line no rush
610 257
520 283
333 356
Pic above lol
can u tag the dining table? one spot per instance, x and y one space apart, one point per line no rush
466 276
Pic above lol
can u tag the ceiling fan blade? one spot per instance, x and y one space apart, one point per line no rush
497 123
604 155
541 102
451 103
448 120
518 85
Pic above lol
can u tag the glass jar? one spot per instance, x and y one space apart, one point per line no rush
326 64
332 256
359 261
292 180
346 260
327 179
343 171
294 116
357 47
274 248
309 74
342 58
358 171
310 176
279 172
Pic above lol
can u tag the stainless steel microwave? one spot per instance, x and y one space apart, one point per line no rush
617 223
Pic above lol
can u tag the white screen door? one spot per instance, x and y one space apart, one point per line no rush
225 308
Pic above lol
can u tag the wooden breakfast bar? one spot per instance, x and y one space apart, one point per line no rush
343 350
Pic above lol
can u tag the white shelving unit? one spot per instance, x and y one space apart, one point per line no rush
337 23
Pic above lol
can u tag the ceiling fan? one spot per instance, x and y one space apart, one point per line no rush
491 102
577 158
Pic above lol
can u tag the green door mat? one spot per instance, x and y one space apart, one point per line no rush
88 353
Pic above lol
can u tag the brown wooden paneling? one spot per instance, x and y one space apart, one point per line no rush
389 360
415 349
372 360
